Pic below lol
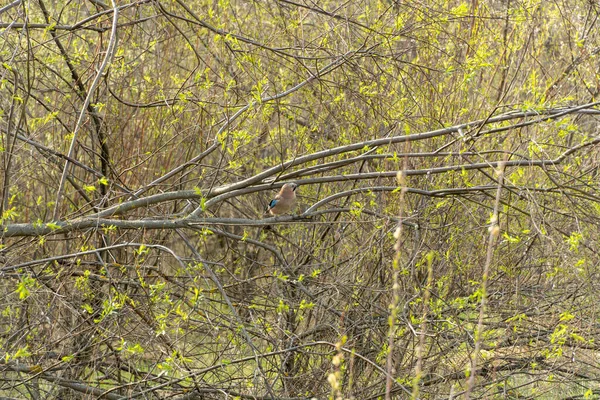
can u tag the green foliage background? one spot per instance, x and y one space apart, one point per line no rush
198 105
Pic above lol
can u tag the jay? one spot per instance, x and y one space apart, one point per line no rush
284 200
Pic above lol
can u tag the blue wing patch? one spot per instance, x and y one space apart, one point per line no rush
272 203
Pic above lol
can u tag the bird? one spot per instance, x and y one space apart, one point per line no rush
284 200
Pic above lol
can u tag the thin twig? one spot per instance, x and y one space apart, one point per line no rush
494 232
107 59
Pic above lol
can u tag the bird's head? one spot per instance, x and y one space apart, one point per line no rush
290 186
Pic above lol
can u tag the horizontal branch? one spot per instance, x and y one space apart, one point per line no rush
192 194
59 227
20 25
99 220
50 26
392 174
469 126
78 25
71 384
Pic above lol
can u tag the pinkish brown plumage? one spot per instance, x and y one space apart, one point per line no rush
284 200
